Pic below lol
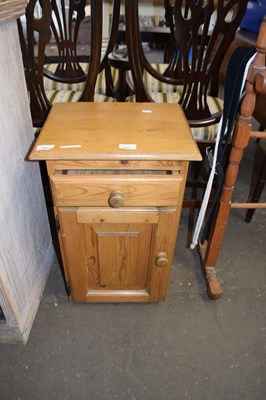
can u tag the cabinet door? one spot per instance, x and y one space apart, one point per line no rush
111 254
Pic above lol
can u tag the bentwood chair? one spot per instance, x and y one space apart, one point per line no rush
255 86
64 75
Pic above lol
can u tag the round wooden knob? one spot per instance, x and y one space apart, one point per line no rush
161 259
116 199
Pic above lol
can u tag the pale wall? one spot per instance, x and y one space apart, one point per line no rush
26 250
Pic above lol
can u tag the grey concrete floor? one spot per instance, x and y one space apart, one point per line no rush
188 347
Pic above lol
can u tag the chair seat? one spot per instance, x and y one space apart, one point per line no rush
100 87
61 96
152 84
205 133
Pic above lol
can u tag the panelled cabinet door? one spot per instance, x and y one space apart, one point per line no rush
117 254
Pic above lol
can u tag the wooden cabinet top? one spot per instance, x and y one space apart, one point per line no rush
115 131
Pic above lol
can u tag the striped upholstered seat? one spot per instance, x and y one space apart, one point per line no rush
154 85
100 87
61 96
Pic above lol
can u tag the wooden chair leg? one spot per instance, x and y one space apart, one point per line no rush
258 190
255 84
210 250
214 288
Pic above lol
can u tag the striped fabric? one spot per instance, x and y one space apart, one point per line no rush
49 84
64 96
206 133
151 83
100 87
154 85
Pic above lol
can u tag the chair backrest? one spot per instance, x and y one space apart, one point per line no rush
67 16
61 21
137 58
202 34
33 57
113 33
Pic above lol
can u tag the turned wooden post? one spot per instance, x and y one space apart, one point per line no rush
256 82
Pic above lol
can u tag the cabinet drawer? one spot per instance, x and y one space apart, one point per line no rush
116 190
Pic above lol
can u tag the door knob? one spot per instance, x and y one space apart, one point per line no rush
161 259
116 199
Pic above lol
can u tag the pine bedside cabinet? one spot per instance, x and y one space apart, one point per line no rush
117 173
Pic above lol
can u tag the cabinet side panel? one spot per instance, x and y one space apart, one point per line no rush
73 254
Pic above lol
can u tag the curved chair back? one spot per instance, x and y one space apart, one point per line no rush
33 58
201 33
204 34
138 61
66 19
62 20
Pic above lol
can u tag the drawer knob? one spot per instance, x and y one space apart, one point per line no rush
161 259
116 199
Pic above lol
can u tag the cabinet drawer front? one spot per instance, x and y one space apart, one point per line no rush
134 190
